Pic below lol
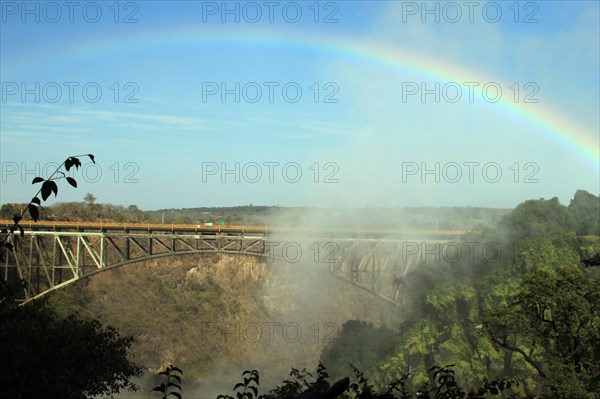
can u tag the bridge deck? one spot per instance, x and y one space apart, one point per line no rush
330 231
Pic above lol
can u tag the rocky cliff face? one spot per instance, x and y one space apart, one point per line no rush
217 315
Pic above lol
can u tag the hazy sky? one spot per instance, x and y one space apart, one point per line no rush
302 103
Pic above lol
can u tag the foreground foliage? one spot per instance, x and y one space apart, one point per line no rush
44 356
553 323
172 376
9 239
302 385
533 312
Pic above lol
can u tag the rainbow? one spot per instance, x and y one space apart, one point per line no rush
546 121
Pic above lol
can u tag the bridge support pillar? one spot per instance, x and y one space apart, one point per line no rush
80 257
126 246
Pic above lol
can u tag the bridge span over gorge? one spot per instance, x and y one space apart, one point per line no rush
53 254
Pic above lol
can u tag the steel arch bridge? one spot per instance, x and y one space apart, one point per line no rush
53 255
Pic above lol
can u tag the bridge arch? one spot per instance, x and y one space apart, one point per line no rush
202 253
50 259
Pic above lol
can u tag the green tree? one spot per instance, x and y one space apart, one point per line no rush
585 211
552 253
45 356
89 198
535 219
9 210
553 323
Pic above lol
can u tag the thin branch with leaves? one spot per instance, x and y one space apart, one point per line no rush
48 187
173 375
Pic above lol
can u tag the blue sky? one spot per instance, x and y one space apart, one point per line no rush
352 138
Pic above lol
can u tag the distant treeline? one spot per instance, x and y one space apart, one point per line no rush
454 218
577 213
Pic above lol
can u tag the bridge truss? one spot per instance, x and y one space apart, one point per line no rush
46 260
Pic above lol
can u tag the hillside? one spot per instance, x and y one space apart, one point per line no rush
217 315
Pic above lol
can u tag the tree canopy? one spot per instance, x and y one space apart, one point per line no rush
585 211
553 322
534 219
45 356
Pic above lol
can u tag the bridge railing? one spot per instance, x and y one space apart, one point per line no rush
101 225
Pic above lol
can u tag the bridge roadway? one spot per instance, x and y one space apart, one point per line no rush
333 232
53 254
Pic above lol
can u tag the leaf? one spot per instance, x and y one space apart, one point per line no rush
37 180
92 158
176 369
177 395
162 388
239 384
54 188
172 384
17 218
22 231
36 200
46 190
68 164
338 388
34 212
72 181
